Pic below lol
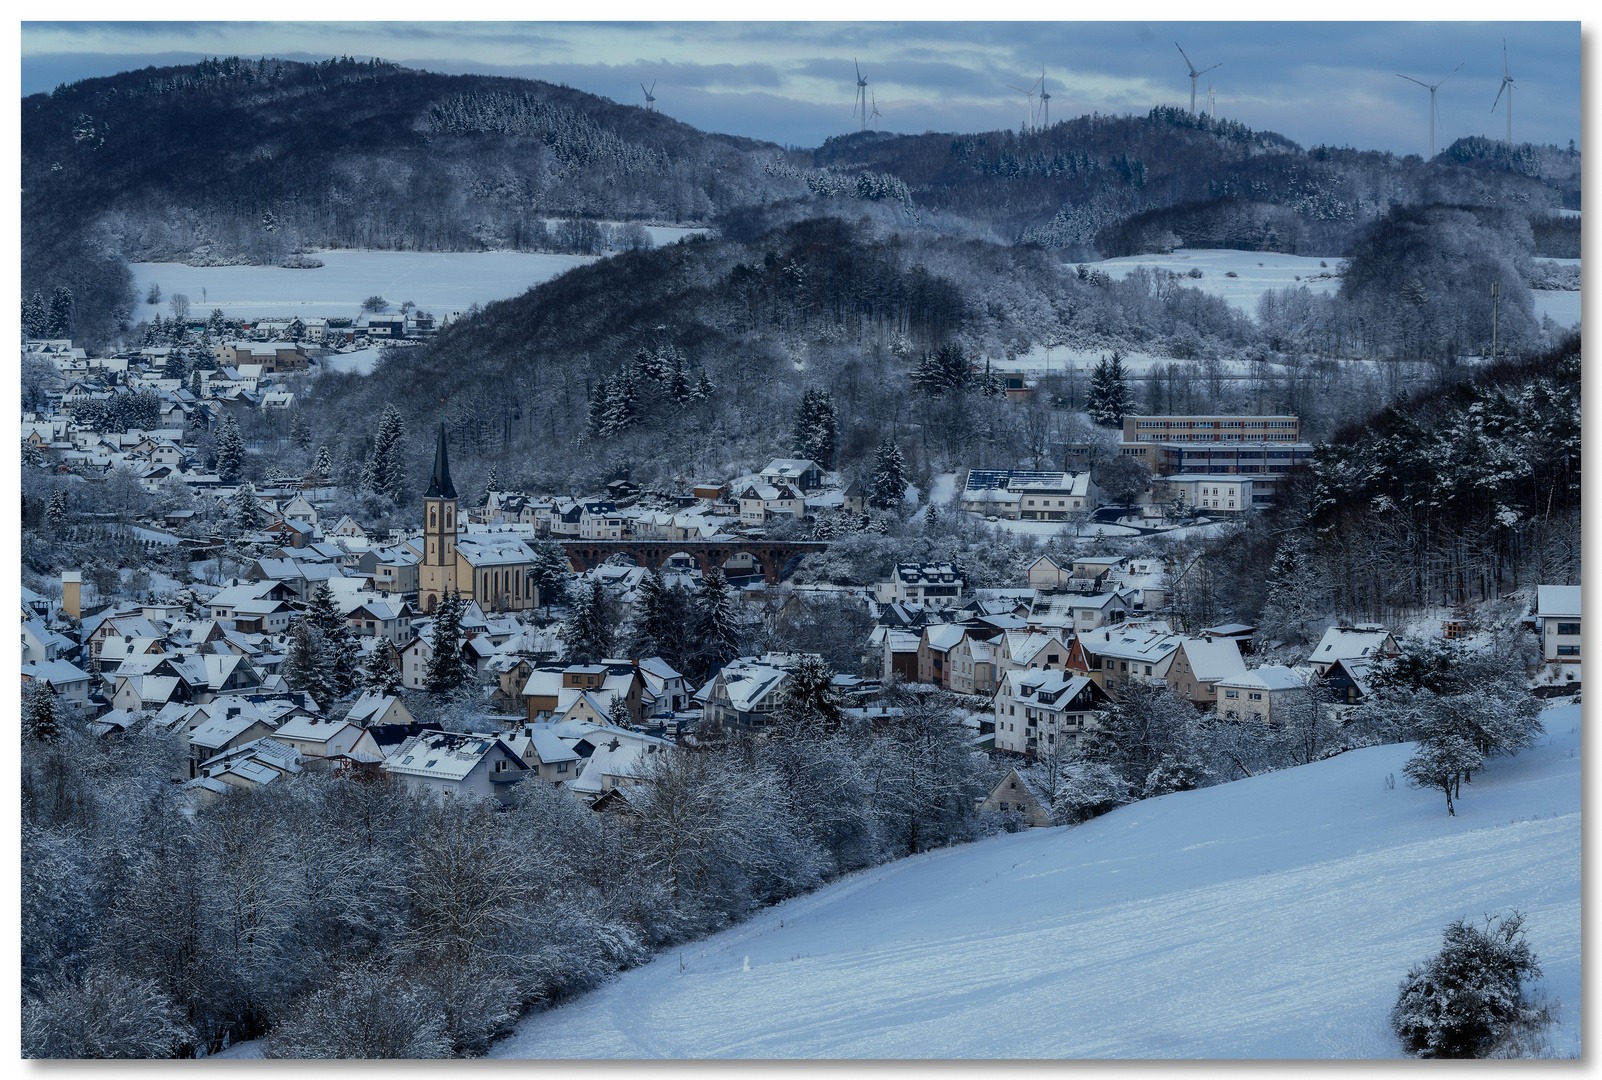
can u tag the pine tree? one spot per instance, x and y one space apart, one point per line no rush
703 387
61 312
230 450
379 674
617 711
588 632
56 512
549 571
177 366
41 713
323 467
1108 397
717 628
809 699
888 487
300 432
197 385
385 473
344 652
816 427
492 483
1293 594
621 411
595 416
660 620
36 316
679 390
308 665
447 668
244 509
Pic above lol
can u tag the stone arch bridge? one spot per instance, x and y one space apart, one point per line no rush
772 555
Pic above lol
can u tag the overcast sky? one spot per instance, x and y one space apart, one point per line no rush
793 82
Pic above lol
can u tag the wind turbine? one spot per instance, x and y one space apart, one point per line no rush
875 115
860 104
1433 111
1045 100
650 96
1507 84
1212 101
1194 74
1029 105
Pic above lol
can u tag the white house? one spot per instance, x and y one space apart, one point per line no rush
448 763
1042 712
1557 620
1366 641
1255 694
930 585
317 737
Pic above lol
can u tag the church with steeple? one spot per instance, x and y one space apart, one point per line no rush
489 567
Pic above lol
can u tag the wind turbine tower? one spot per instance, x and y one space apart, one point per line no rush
1507 84
650 96
1434 112
1194 75
1212 101
1029 102
1045 100
861 103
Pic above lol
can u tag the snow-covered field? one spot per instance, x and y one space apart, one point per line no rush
1564 307
1256 272
1272 917
439 282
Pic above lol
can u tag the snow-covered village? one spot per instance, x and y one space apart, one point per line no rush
512 574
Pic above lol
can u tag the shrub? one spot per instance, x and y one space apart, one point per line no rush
1470 996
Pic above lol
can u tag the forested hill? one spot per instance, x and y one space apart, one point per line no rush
253 158
1121 185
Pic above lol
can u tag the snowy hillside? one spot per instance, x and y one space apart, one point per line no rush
1271 917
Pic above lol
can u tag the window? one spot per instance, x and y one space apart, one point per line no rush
561 766
1568 628
1232 693
1568 650
1255 696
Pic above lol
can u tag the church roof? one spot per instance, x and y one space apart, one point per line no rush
439 485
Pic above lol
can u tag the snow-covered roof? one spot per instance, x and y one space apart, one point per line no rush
444 755
216 732
1349 643
1214 660
311 729
1554 600
1269 677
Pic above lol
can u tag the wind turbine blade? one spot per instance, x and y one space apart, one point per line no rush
1499 90
1504 58
1410 79
1204 71
1187 59
653 86
1450 74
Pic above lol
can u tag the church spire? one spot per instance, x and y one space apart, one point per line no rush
440 486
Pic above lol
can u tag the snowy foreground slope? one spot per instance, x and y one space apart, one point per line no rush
1272 917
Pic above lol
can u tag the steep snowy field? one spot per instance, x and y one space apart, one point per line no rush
1272 917
440 282
1255 272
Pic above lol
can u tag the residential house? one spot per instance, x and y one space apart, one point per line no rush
1255 694
319 737
379 710
762 503
1199 665
1366 641
800 473
1043 712
463 765
1557 622
930 585
71 684
599 521
1114 655
1015 792
743 694
234 727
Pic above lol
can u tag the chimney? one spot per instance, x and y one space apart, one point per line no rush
72 592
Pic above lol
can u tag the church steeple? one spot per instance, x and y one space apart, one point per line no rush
440 486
